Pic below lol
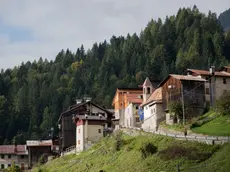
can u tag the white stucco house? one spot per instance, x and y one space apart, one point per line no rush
89 130
153 110
131 111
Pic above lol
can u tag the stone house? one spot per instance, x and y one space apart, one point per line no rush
189 90
153 110
17 154
120 102
217 82
67 127
89 129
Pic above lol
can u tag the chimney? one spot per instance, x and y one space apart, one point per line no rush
78 101
212 70
87 98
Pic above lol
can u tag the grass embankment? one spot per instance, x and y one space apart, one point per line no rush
143 154
212 124
209 124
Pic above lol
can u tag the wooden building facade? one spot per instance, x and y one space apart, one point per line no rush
189 89
67 127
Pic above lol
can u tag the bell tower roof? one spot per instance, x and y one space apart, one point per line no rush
147 83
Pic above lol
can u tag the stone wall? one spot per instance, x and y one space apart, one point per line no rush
217 140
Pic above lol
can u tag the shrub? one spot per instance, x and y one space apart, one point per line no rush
223 104
177 151
43 159
175 108
148 149
13 168
118 140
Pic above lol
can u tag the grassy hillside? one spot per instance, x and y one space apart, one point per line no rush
219 126
212 124
143 154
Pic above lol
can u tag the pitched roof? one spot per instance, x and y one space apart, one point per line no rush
133 98
147 82
187 77
76 106
183 77
10 149
207 73
39 143
155 96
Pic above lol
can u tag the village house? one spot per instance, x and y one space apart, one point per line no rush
17 154
153 111
131 110
36 149
189 90
120 102
217 82
67 127
89 129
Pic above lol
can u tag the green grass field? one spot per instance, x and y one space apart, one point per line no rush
146 153
219 126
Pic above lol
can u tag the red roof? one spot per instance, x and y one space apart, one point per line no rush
11 149
134 98
205 72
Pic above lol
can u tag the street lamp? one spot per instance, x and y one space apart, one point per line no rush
170 87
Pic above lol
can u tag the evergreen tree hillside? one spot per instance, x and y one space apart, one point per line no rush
33 95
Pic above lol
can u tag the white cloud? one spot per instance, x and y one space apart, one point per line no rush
58 24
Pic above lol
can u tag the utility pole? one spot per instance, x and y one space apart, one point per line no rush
212 86
182 94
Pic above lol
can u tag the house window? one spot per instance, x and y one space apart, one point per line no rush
148 90
99 130
151 111
9 165
154 110
22 156
224 81
78 142
2 166
2 156
207 90
9 156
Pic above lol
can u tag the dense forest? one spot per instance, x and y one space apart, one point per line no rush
225 19
33 95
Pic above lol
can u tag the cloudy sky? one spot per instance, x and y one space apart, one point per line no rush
30 29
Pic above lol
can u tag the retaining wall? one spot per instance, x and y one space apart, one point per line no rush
217 140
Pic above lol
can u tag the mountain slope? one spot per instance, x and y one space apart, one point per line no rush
225 19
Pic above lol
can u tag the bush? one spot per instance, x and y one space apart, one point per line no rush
148 149
177 151
13 168
118 140
223 104
175 108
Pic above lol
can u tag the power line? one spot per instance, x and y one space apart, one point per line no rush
187 93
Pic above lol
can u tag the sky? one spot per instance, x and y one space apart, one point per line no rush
30 29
